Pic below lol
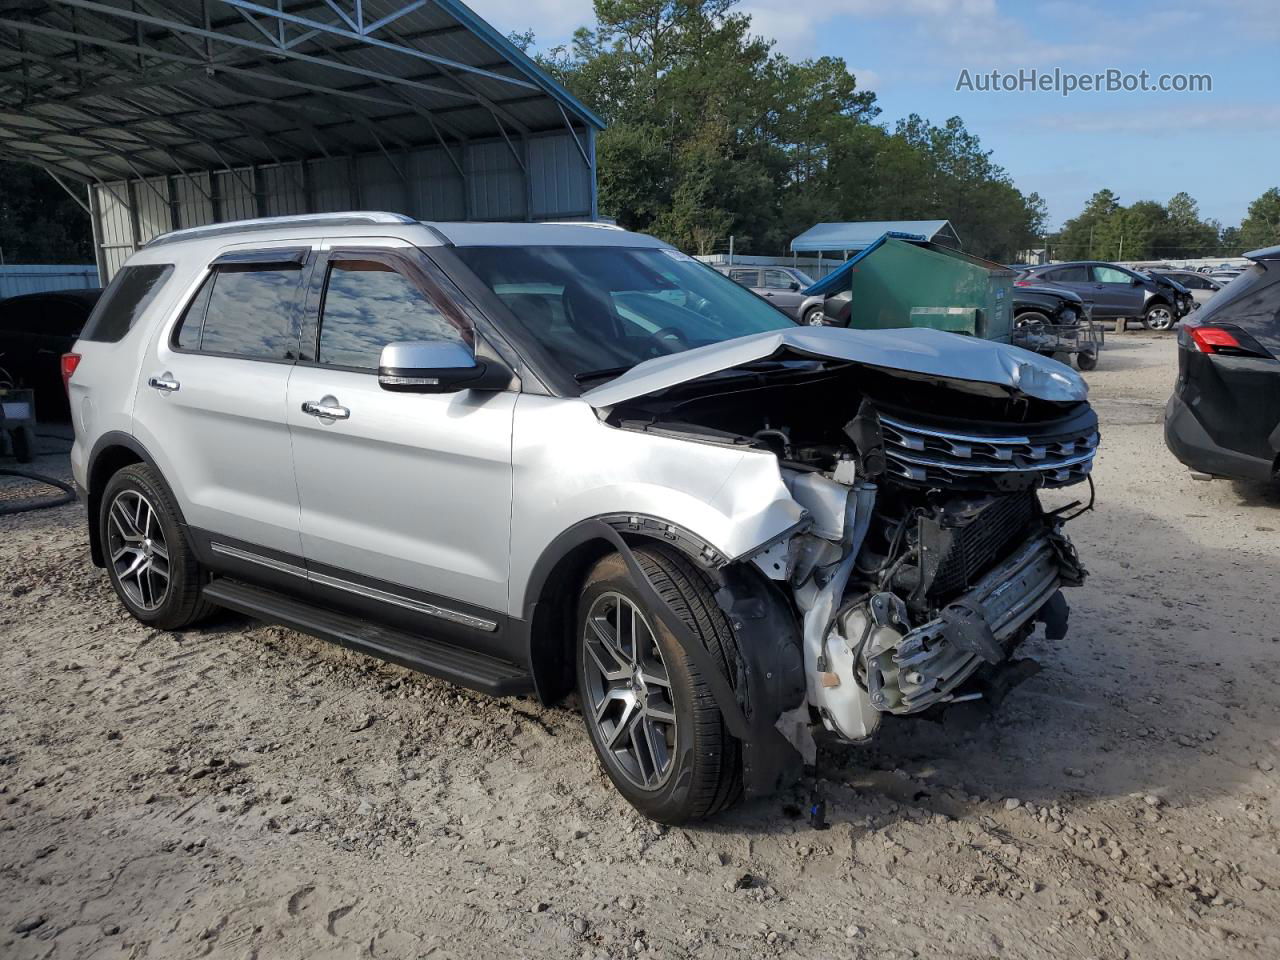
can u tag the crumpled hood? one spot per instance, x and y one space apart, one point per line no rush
915 350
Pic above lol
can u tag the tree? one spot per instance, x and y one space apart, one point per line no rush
711 133
1261 225
39 223
1076 239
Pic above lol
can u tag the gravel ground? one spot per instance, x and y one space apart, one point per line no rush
245 791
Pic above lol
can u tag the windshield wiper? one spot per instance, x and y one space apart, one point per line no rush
602 373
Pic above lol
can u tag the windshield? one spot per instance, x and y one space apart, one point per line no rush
601 310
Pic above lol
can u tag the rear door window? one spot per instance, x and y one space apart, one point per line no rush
367 305
248 312
128 295
1069 275
748 278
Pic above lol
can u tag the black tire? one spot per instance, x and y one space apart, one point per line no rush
1030 318
180 605
813 317
1086 360
705 774
1159 316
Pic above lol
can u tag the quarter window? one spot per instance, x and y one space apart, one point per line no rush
132 289
368 305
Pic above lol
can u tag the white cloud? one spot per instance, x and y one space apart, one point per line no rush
552 21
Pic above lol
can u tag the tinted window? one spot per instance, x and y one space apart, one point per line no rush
250 313
1110 275
599 310
187 336
128 294
1069 275
368 305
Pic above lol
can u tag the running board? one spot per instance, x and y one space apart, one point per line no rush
475 671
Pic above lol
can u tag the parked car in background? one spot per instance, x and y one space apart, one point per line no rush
1224 416
1223 277
1202 287
36 329
783 287
1117 292
540 458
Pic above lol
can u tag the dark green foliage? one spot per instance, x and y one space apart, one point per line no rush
39 223
712 133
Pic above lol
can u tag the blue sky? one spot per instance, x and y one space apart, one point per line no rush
1222 147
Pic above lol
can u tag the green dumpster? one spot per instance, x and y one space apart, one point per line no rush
900 282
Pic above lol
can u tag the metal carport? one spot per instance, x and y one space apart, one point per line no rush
847 238
179 114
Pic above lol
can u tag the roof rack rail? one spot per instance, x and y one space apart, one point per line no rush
348 219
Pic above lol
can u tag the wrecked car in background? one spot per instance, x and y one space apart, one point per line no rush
534 458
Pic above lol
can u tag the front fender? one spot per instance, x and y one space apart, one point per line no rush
569 467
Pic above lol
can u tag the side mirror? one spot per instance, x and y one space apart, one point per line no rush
437 366
1135 282
795 286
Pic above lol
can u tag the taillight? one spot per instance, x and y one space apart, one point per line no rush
69 363
1024 283
1225 340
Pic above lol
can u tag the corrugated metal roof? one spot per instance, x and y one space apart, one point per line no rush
861 234
110 89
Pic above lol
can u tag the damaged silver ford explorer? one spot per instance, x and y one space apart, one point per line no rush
545 458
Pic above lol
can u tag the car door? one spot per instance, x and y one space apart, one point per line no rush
782 290
405 497
1074 277
1117 292
211 405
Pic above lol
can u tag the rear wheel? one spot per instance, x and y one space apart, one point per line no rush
1086 360
150 563
1158 316
651 717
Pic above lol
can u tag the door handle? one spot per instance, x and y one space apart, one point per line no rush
326 409
163 382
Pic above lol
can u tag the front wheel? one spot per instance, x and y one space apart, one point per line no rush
1086 360
150 563
1159 316
650 715
814 317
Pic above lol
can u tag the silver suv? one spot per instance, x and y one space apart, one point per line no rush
540 458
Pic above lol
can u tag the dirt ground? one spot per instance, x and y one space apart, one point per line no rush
244 791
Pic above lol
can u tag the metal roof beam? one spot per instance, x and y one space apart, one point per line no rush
358 31
225 68
271 49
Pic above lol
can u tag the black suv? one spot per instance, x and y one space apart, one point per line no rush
1224 416
1117 292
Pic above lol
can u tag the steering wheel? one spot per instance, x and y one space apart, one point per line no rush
671 333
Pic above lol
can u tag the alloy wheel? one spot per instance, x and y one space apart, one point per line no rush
138 550
629 691
1160 318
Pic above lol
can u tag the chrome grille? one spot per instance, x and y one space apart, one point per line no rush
929 455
